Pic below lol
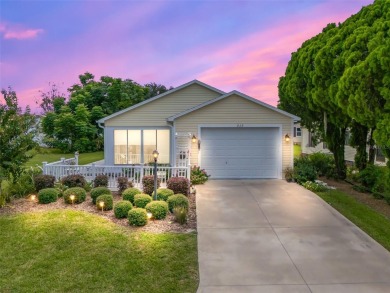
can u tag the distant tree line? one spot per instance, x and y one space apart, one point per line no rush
339 80
70 123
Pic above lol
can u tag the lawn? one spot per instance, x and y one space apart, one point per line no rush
73 251
52 155
373 223
297 150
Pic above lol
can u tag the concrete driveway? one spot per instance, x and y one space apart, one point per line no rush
274 236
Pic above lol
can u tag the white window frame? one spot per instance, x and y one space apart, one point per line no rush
109 150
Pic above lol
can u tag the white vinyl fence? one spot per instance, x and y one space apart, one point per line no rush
134 173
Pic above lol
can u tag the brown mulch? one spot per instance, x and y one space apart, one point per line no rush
23 205
368 199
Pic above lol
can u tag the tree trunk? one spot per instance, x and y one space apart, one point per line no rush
335 138
359 141
372 149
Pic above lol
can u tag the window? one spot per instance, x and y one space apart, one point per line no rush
137 146
299 132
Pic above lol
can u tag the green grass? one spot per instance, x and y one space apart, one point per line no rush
52 155
373 223
73 251
297 150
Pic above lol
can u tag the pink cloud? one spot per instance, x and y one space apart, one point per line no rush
254 63
18 33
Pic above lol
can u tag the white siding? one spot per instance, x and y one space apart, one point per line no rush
155 113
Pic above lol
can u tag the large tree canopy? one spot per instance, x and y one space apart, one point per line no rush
340 80
70 124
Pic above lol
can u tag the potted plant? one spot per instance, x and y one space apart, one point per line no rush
288 174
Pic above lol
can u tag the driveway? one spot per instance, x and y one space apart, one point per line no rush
273 236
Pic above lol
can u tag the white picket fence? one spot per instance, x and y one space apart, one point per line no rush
134 173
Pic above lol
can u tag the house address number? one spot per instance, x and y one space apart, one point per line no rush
240 125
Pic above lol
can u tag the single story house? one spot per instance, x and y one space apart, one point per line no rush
230 135
308 147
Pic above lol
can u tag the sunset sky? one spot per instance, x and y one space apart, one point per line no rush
242 45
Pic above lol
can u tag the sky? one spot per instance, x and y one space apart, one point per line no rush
231 45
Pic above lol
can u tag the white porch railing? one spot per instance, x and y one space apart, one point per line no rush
134 173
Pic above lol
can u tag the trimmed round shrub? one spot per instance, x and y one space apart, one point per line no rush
108 202
137 217
177 200
97 191
79 195
159 209
44 181
122 208
164 193
148 184
74 181
179 185
100 180
141 200
129 194
47 195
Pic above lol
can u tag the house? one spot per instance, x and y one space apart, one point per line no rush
230 135
308 147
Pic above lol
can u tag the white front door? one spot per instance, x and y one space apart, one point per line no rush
250 152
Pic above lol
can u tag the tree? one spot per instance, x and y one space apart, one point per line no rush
340 79
16 135
71 124
48 98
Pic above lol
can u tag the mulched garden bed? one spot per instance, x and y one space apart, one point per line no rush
368 199
23 205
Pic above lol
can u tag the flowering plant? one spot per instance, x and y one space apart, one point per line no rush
198 176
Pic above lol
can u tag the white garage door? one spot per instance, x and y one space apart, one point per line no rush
240 152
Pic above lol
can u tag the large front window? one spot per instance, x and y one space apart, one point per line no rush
137 146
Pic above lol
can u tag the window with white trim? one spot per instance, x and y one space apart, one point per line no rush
137 146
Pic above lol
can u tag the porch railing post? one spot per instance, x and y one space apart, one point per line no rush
76 158
44 168
141 176
93 171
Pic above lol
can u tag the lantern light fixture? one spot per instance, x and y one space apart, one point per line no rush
193 139
287 138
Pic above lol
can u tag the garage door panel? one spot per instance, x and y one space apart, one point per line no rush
243 173
240 152
247 152
237 163
233 143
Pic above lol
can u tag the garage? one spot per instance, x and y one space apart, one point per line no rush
241 152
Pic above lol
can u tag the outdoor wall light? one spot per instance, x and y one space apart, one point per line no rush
193 138
287 138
